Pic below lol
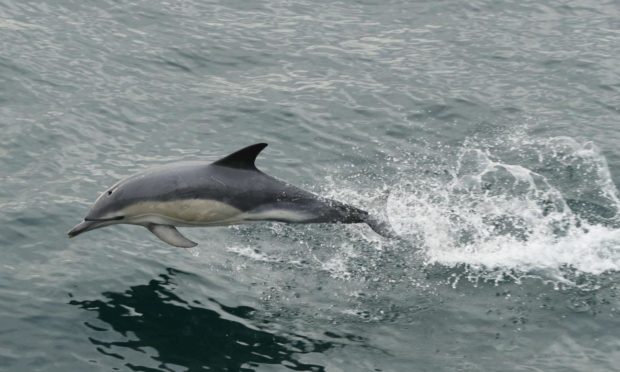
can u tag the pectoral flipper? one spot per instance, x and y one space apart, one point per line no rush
170 235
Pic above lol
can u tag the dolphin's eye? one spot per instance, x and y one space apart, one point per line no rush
109 192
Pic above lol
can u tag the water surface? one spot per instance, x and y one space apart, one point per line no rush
487 133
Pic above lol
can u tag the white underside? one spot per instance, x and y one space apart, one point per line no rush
201 212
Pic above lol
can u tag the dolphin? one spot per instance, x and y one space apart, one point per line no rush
227 192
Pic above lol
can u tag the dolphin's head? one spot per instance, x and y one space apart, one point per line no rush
107 210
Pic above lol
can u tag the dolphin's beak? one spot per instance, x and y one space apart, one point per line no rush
83 227
88 224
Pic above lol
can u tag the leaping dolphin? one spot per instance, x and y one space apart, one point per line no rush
227 192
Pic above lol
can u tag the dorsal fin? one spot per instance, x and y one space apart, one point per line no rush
243 159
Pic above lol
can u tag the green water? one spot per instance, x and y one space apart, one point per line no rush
486 133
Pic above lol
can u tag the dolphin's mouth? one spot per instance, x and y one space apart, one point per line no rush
104 219
91 224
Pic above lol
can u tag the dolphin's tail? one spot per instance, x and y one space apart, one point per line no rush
381 227
331 211
379 223
350 214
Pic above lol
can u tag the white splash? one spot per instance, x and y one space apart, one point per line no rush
252 253
554 208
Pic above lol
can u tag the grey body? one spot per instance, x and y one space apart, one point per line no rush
229 191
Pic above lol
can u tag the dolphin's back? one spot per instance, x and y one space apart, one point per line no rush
257 193
250 191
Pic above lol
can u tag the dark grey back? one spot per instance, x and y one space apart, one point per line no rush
244 189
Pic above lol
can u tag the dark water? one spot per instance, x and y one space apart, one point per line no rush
487 132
